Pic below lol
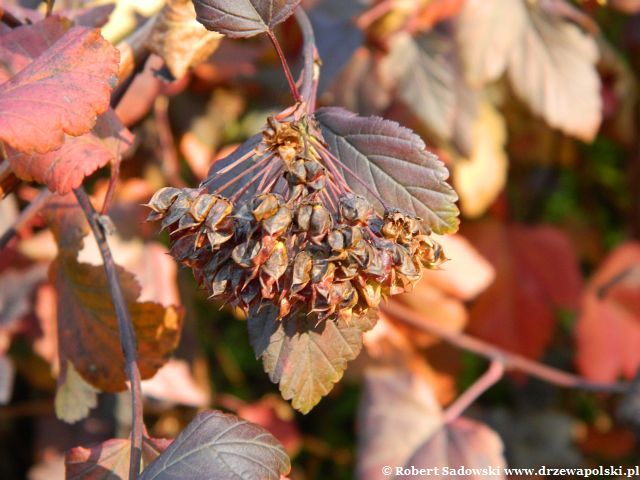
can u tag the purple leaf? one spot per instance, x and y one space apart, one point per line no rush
393 161
221 446
243 18
304 356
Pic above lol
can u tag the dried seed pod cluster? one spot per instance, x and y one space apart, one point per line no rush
305 242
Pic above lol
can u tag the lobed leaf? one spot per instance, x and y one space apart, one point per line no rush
62 91
413 432
394 162
304 356
551 63
243 18
221 446
65 168
74 397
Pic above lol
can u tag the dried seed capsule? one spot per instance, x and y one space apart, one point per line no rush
178 209
336 241
277 263
277 224
244 253
266 205
303 216
355 209
320 222
218 212
201 206
301 273
163 198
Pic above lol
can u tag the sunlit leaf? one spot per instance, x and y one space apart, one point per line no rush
480 178
62 91
304 356
243 18
394 162
179 39
218 445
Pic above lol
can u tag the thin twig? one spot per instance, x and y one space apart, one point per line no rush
493 374
125 329
25 216
50 5
285 66
170 161
310 55
511 361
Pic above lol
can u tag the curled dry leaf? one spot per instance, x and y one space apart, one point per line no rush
62 91
243 18
219 445
180 39
536 272
412 433
549 60
608 329
479 179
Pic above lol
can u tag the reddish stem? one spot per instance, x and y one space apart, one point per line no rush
484 383
125 329
509 360
285 67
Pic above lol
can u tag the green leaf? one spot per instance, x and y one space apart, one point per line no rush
221 446
304 356
394 162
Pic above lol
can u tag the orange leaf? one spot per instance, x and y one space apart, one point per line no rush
62 91
608 330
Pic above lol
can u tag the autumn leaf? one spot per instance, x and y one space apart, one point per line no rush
110 459
74 397
62 91
304 356
87 324
479 179
64 169
219 445
536 272
413 432
608 329
549 60
395 163
181 40
243 18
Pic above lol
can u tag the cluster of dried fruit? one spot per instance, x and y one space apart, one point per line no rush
306 242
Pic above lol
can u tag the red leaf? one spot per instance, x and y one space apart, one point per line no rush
608 330
64 169
537 271
62 91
